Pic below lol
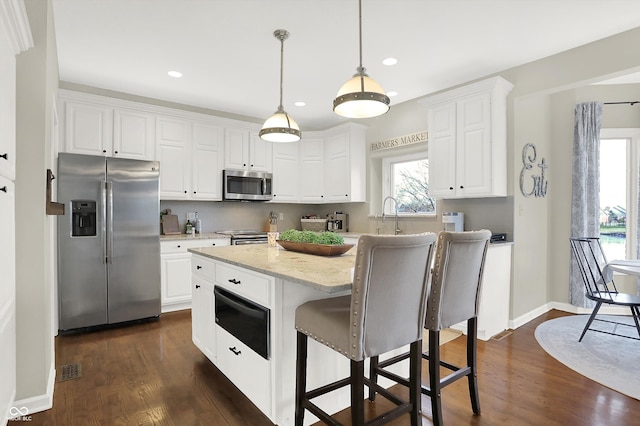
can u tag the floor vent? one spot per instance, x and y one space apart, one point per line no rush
502 335
70 372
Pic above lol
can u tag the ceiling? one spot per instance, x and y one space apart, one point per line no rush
230 60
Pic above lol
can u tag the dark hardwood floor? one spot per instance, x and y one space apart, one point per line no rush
152 374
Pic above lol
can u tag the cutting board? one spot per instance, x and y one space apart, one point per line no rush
170 224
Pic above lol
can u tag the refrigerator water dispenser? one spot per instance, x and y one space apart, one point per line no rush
83 217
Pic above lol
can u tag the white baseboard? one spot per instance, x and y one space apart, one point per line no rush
172 307
38 403
566 307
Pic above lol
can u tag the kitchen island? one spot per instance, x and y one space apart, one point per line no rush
276 280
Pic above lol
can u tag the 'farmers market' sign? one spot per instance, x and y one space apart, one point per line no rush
400 141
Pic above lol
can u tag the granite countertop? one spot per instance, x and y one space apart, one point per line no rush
330 274
190 237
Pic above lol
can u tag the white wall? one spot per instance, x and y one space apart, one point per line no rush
37 79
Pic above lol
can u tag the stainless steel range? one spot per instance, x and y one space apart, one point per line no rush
239 237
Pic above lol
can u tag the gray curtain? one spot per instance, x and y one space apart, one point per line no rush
585 195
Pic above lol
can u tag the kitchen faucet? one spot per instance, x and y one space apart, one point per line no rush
396 230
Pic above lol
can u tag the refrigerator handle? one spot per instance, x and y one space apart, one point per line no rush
110 221
103 199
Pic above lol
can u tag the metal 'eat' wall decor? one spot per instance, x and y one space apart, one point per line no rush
539 183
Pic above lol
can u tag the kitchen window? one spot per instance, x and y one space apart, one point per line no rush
406 178
619 165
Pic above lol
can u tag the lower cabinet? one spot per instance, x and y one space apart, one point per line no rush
249 371
246 369
203 317
175 274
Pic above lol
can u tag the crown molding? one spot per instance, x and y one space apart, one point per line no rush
13 16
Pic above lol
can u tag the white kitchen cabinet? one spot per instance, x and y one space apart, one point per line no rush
249 372
467 140
93 126
203 319
133 134
244 150
495 293
207 144
172 141
175 277
312 169
87 127
345 165
286 172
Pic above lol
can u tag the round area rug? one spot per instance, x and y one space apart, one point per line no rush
609 360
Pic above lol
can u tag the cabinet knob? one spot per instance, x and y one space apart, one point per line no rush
179 246
213 244
5 156
451 188
322 196
197 285
116 152
104 151
194 192
251 166
244 164
198 267
461 187
346 195
185 192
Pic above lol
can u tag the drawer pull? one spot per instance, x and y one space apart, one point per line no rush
3 189
198 267
234 281
5 156
235 351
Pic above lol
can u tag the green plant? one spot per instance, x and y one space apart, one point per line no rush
325 237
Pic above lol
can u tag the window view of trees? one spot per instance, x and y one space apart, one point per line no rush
411 187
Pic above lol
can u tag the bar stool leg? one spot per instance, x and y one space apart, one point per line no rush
415 377
434 377
373 376
472 362
301 376
357 393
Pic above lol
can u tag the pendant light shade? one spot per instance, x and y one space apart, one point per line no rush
361 97
280 127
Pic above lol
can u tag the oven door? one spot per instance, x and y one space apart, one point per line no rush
244 319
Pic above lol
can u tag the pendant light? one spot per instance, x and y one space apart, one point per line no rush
280 127
361 97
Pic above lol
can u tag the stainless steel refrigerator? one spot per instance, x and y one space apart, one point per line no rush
108 240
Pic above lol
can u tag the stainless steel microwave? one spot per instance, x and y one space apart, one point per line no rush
247 185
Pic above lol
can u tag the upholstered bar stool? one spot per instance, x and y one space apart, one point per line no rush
385 311
453 298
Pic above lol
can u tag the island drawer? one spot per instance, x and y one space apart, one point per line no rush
250 372
203 267
253 286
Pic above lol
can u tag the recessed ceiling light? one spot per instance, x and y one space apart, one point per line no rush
392 94
390 61
175 74
300 104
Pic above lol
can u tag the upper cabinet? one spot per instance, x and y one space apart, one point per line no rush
174 155
244 150
286 172
207 146
91 126
467 140
312 170
345 164
133 134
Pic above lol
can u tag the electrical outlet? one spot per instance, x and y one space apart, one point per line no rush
280 216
